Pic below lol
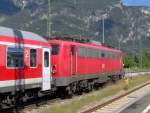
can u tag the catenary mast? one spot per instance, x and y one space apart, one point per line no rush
49 19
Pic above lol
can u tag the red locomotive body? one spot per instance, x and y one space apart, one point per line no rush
74 62
25 61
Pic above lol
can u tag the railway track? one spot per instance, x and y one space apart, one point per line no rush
117 104
32 104
50 101
40 103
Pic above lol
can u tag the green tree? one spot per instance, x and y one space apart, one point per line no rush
128 61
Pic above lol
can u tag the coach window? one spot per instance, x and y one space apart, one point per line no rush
55 49
33 58
81 52
116 55
46 59
84 52
15 57
103 55
99 54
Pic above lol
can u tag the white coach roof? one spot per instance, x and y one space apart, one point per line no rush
4 31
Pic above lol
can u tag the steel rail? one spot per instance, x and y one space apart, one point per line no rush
97 107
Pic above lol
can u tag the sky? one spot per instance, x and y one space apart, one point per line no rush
136 3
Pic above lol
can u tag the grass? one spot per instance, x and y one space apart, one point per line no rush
109 90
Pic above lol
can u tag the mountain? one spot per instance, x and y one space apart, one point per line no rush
128 27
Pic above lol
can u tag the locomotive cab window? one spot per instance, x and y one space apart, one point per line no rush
46 59
33 58
15 57
55 49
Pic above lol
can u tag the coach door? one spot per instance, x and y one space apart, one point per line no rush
73 60
46 79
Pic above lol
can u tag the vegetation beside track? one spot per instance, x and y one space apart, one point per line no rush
140 61
108 91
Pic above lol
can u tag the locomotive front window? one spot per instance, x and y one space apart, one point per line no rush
33 58
15 57
55 49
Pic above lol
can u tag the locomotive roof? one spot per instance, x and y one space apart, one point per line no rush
20 34
87 45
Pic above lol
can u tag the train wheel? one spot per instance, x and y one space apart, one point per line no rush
74 88
69 91
18 100
96 86
65 92
89 87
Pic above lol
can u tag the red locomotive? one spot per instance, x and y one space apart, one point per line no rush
81 66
